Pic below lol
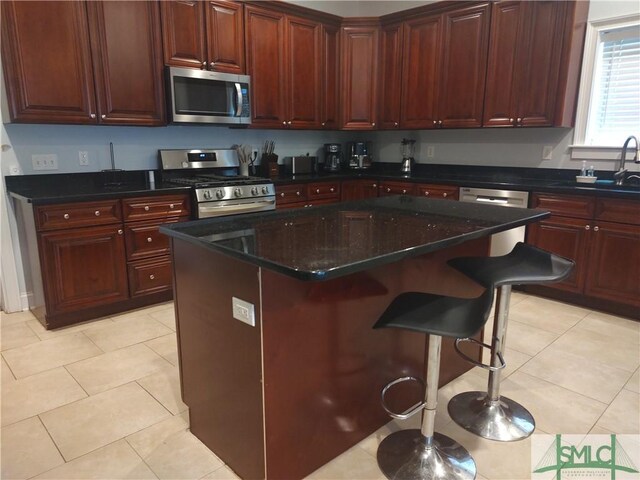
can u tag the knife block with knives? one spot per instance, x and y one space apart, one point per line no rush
269 160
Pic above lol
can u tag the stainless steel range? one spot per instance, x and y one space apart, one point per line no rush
218 190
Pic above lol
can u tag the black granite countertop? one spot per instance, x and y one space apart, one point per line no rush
504 178
78 187
330 241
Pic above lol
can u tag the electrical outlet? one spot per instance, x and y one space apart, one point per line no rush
431 151
14 170
243 311
83 158
547 152
48 161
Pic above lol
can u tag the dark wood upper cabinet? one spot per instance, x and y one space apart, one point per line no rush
390 75
421 71
264 36
465 41
359 74
203 34
225 36
47 62
183 33
127 58
330 76
64 59
534 61
304 80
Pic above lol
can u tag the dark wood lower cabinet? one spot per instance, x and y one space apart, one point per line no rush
359 189
83 267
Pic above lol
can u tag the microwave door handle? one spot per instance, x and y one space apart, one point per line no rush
240 100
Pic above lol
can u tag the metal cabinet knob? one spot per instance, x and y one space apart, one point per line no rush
511 120
149 239
282 194
204 64
519 120
324 123
435 122
92 115
439 122
66 216
97 213
103 116
120 231
587 227
426 193
388 190
289 122
444 194
146 208
595 229
373 124
374 185
284 123
317 190
332 189
152 276
395 124
171 205
404 190
298 193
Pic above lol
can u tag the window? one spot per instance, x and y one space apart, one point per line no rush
609 104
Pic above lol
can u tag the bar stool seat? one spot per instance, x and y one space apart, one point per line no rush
488 414
424 454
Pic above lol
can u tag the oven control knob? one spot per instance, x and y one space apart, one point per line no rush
219 194
254 191
237 192
207 194
265 190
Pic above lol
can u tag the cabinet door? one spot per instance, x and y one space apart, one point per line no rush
614 263
303 73
421 69
127 57
83 267
359 189
500 102
47 62
264 36
465 41
183 33
538 60
225 35
391 76
330 77
359 77
566 237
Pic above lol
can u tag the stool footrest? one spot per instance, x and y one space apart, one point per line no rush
408 413
476 362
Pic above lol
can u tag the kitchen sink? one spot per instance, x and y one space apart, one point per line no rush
629 187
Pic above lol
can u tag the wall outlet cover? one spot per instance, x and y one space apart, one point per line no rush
431 151
243 311
547 152
47 161
83 158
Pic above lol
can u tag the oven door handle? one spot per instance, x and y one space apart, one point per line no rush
204 212
240 100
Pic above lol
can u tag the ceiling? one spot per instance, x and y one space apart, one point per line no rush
357 8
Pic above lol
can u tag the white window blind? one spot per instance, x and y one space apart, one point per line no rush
614 111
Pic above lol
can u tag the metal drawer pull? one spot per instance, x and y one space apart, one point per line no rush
332 189
388 190
146 208
149 239
120 231
444 194
93 115
171 205
317 190
282 194
97 212
595 229
404 190
298 193
587 227
426 193
152 277
374 185
66 216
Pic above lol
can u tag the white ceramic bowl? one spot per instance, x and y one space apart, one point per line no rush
583 179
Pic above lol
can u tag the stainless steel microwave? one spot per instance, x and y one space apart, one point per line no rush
200 96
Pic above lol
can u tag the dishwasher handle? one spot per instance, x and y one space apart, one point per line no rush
494 200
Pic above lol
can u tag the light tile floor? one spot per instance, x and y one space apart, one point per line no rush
101 399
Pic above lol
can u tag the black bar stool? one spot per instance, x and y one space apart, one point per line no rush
424 454
488 414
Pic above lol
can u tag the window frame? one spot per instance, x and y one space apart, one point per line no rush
579 150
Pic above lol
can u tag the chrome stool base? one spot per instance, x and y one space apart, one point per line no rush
404 455
503 420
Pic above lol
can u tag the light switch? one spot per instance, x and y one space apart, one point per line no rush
243 311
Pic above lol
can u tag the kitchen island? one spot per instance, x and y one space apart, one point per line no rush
280 384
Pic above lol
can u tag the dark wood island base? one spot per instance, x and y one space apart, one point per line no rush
283 398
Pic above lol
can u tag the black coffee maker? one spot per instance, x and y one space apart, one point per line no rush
332 157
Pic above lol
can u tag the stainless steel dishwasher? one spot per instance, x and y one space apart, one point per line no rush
501 243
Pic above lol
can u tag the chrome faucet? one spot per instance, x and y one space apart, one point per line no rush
620 174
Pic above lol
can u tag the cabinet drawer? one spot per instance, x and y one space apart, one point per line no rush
144 208
143 239
323 190
85 214
565 205
618 210
437 191
291 193
308 203
396 188
149 276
